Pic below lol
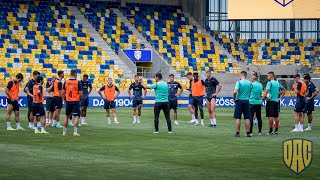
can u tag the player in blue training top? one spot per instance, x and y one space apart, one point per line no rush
212 91
86 90
174 93
312 92
137 97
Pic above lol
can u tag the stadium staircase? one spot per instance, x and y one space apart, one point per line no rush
127 71
144 41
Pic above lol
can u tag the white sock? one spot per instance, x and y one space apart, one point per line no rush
214 121
115 119
202 121
42 129
54 122
196 121
301 126
211 121
108 119
50 120
64 130
58 123
309 125
70 121
134 118
30 124
8 124
75 130
83 120
296 126
47 120
193 117
36 129
18 125
138 119
38 124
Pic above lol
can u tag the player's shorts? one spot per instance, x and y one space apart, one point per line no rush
299 107
309 107
15 104
198 101
109 105
50 104
242 107
173 104
279 106
57 102
272 109
85 102
136 103
190 99
38 109
209 98
73 108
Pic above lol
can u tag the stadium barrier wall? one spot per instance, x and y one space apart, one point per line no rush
125 101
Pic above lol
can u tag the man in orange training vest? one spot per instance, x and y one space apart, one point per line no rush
109 95
72 94
37 106
49 102
57 90
198 91
12 92
300 89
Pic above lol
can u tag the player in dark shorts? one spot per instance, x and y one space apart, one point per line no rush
137 97
37 106
174 93
198 92
211 84
49 101
12 92
192 110
241 96
272 91
29 91
71 94
86 90
300 88
57 91
110 93
312 92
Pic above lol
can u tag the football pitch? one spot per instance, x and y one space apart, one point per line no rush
132 151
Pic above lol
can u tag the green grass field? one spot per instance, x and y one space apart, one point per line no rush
132 151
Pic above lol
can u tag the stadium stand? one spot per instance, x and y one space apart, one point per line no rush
229 44
279 51
271 51
44 36
172 34
110 27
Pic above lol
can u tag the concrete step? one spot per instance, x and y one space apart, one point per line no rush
128 73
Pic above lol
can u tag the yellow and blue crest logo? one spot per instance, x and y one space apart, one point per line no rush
297 154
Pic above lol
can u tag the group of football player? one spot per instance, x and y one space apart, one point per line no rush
72 92
75 94
249 99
